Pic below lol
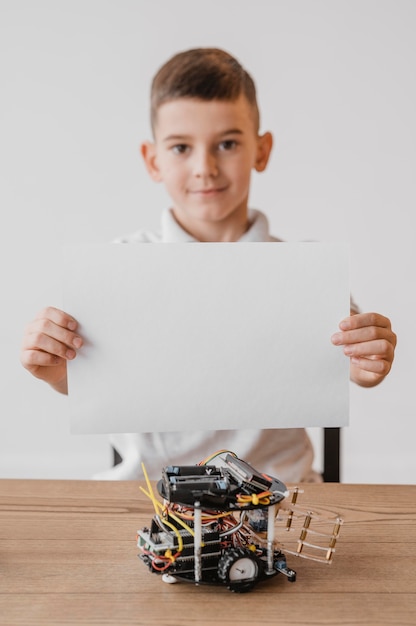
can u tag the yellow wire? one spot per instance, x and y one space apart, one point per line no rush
212 456
181 522
155 502
255 498
177 533
164 521
206 517
158 506
150 495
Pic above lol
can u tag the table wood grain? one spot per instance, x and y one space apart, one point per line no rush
68 556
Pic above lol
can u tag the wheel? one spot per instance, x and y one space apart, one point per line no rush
239 569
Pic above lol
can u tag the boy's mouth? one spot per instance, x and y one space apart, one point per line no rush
208 191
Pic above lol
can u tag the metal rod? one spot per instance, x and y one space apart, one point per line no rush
197 541
270 537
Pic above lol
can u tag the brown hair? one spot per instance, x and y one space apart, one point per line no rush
205 74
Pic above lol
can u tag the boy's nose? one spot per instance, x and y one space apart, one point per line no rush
205 165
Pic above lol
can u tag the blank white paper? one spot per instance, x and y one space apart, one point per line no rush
207 336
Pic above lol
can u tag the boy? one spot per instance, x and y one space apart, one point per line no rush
206 142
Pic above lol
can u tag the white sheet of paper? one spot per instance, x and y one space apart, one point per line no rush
207 336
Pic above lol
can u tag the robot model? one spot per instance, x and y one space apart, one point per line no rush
217 525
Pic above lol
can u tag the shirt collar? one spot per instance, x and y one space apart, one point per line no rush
172 232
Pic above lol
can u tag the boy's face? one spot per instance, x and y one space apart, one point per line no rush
204 152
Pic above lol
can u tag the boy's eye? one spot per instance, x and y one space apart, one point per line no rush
180 148
227 144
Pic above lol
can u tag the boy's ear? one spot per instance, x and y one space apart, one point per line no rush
264 148
148 151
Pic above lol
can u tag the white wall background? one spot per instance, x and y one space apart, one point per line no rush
336 82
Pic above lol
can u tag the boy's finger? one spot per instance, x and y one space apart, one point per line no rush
58 317
363 334
43 328
361 320
371 349
41 342
381 367
38 358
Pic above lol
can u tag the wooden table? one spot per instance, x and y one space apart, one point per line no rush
68 556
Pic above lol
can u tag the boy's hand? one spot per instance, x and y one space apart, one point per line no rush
50 340
369 342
